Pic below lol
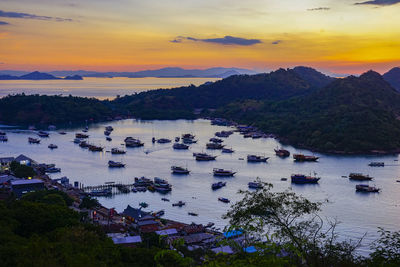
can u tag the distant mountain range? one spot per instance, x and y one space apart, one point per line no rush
38 76
161 73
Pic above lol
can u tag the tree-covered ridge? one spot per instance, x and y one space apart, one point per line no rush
41 109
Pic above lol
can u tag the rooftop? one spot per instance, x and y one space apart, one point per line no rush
26 181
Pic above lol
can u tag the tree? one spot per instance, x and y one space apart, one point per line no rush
386 249
21 171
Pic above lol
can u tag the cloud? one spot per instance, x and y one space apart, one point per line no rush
379 2
319 9
277 42
20 15
4 23
226 40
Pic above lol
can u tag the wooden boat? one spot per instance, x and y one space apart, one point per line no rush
225 200
180 203
33 140
214 146
216 140
94 148
255 158
280 152
303 179
366 188
228 150
377 164
133 142
52 146
117 151
101 192
301 157
255 185
180 146
3 138
43 134
359 177
114 164
222 172
163 141
218 185
193 214
204 157
81 135
179 170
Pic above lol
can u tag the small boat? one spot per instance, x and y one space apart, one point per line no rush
214 146
43 134
165 199
366 188
143 204
188 141
377 164
222 172
256 135
2 133
180 146
109 128
359 177
255 185
179 170
223 134
33 140
303 179
301 157
53 170
216 140
180 203
101 192
133 142
114 164
218 185
81 135
228 150
193 214
225 200
153 140
77 141
123 189
163 141
283 179
255 158
134 190
108 138
159 213
62 133
188 136
107 133
204 157
141 189
161 185
85 130
94 148
117 151
52 146
84 144
283 153
177 139
3 138
142 182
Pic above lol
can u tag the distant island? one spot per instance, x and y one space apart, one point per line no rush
39 76
301 106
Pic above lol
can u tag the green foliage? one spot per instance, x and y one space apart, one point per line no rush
21 171
386 250
49 197
170 258
89 203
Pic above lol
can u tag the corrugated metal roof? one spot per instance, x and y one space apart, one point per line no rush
127 239
172 231
26 181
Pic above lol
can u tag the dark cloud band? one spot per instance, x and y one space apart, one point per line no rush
379 2
319 9
226 40
4 23
21 15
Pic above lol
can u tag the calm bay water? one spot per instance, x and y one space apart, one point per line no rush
101 88
358 213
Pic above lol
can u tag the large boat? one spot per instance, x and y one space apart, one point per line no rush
3 138
133 142
255 158
218 185
179 170
101 192
255 185
214 146
216 140
117 151
95 148
189 141
301 157
33 140
377 164
188 136
204 157
115 164
81 135
52 146
304 179
222 172
83 144
228 150
43 134
225 200
280 152
366 188
142 181
180 146
77 141
163 141
223 134
359 177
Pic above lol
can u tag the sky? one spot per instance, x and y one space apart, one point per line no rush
340 36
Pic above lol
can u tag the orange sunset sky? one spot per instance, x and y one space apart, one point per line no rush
341 36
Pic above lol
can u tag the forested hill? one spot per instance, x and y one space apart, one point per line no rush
350 115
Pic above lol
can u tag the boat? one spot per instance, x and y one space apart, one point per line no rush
228 150
163 141
224 134
62 133
123 189
204 157
359 177
222 172
143 204
109 128
83 144
43 134
2 133
108 138
33 140
161 185
377 164
101 192
141 188
53 170
188 136
256 135
107 133
180 146
52 146
94 148
134 190
165 199
77 141
225 200
216 140
283 179
3 138
366 188
255 158
117 151
301 157
283 153
218 185
81 135
177 139
142 181
159 213
188 141
114 164
133 142
304 179
193 214
180 203
255 185
179 170
85 130
153 140
214 146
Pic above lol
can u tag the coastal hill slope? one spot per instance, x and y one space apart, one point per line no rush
393 77
350 115
36 75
